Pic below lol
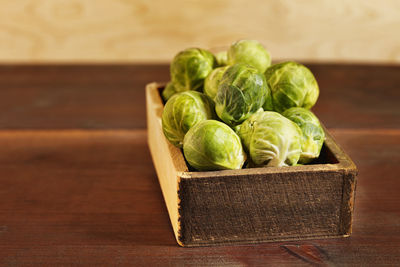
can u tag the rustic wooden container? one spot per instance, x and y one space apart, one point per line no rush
252 205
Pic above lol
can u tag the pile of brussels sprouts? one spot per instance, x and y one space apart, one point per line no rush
235 109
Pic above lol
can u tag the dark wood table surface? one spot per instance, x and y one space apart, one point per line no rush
78 186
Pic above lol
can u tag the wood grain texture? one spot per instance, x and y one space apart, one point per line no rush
58 96
92 197
74 193
154 31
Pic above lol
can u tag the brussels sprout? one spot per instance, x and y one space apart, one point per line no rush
212 81
313 135
212 145
190 67
271 139
222 58
168 91
182 111
249 52
241 92
292 85
268 106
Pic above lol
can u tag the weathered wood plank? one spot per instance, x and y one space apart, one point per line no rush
93 197
113 96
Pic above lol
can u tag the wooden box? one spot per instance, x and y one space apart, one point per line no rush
252 205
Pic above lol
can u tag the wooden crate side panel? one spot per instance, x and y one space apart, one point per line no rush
259 208
348 198
163 161
349 170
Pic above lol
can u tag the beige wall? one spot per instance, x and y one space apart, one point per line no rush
153 31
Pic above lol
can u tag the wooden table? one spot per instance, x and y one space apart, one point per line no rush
77 183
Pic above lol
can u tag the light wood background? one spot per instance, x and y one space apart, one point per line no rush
154 31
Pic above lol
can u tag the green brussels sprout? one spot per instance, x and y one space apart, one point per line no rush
268 106
182 111
249 52
271 139
241 92
212 145
222 58
292 85
168 91
313 135
190 67
212 81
